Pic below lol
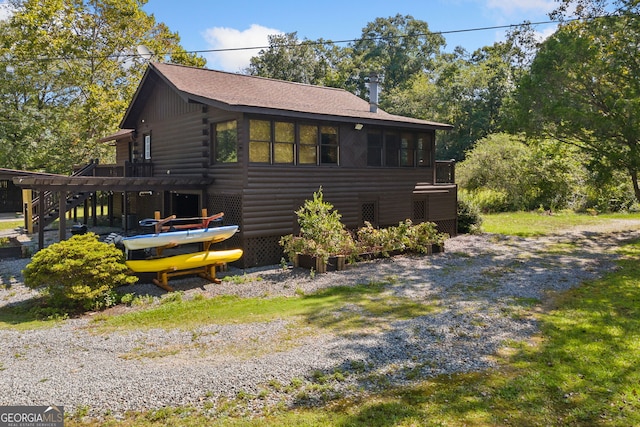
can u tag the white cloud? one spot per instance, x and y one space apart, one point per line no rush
513 7
230 38
545 33
5 10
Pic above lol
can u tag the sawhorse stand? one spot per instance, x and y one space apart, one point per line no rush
207 272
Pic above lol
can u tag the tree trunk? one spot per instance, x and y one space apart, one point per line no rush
636 187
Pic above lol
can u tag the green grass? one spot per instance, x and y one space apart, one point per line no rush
25 316
325 309
582 370
10 225
530 224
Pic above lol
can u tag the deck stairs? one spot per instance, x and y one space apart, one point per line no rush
52 200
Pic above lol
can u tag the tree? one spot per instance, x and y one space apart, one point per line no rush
504 173
465 90
583 88
73 68
287 58
400 47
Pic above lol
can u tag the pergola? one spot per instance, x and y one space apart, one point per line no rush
92 184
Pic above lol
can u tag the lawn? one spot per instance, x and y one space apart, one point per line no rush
529 224
583 369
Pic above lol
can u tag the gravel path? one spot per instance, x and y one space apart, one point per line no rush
483 286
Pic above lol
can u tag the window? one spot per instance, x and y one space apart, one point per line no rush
374 148
392 149
328 145
225 142
277 142
407 149
260 141
147 146
283 142
424 149
308 153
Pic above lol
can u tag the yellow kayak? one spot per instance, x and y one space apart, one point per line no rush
184 262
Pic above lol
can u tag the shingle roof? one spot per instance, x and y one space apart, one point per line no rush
238 91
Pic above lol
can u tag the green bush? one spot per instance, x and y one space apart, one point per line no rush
423 236
469 219
78 274
487 200
321 232
323 235
405 236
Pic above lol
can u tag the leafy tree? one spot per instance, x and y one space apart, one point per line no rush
465 90
583 88
288 58
72 69
400 47
504 173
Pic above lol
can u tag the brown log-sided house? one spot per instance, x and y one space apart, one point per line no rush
258 148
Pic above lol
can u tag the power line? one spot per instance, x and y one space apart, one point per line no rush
5 59
316 42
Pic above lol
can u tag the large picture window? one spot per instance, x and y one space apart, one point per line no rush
225 143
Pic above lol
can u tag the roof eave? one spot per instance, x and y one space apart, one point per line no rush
382 121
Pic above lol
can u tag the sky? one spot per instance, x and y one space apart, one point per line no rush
213 24
205 25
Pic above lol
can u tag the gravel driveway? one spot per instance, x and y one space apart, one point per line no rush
484 287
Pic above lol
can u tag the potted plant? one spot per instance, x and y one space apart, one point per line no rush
323 239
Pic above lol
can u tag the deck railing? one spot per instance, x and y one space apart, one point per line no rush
129 169
135 169
445 171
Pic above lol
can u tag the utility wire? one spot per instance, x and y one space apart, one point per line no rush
6 59
317 42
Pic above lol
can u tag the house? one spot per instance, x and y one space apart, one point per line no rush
256 148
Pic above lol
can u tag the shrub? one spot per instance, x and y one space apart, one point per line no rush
323 235
469 219
321 232
79 273
423 236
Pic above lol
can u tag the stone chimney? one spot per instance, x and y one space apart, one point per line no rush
373 92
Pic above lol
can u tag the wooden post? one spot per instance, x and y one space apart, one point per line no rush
41 220
125 226
94 209
27 198
86 212
62 216
110 206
